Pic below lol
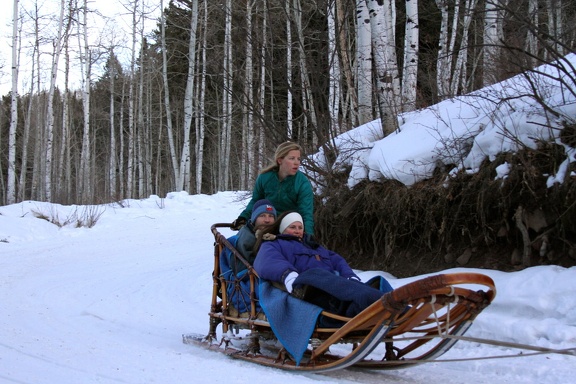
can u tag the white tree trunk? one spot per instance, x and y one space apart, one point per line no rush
64 156
555 25
364 62
131 104
141 134
226 101
334 89
148 139
531 39
459 84
63 166
349 98
57 44
201 103
169 130
492 30
85 156
262 92
188 99
384 52
26 135
289 82
11 185
247 162
454 30
113 72
443 61
410 70
38 140
122 181
307 97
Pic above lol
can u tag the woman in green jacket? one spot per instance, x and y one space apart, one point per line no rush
285 186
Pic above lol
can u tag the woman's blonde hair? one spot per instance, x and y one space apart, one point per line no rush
281 152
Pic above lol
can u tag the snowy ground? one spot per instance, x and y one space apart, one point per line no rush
109 304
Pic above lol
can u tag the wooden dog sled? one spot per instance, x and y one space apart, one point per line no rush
414 323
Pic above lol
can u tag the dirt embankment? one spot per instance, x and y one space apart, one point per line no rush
479 220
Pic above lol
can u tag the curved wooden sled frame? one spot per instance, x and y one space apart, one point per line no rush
386 335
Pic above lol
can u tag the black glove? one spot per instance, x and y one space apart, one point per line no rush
238 223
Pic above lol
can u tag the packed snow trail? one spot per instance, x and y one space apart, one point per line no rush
109 304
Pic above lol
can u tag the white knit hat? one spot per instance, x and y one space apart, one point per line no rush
289 219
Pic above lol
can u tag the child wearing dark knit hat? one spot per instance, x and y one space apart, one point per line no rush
263 214
260 207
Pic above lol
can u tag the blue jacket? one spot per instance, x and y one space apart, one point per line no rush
277 258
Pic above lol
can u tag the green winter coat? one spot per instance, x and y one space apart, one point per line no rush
294 193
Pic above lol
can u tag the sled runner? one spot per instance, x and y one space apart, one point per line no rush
414 323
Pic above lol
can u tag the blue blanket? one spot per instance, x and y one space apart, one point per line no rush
292 320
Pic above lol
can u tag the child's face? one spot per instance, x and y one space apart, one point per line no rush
295 229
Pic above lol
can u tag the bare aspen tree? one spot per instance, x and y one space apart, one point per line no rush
145 136
531 39
307 97
452 64
247 154
149 124
157 183
454 31
289 82
382 21
200 129
262 91
57 49
122 182
38 164
63 165
188 100
449 75
141 134
350 98
410 69
443 60
334 89
86 68
140 131
555 25
460 83
166 91
112 164
363 62
226 129
11 185
26 134
130 167
492 39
